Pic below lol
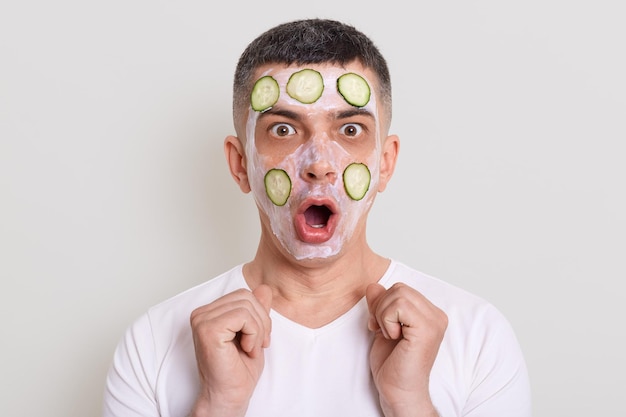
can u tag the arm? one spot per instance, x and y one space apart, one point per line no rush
129 390
499 384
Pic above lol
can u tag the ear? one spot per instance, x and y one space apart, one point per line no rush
391 147
236 159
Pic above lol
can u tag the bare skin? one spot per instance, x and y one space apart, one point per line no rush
231 333
409 330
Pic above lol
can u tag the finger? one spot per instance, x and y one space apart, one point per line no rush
252 337
374 294
257 336
395 310
411 306
236 315
394 318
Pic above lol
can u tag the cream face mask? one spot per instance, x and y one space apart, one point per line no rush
315 195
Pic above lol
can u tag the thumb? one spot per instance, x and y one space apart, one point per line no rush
373 295
263 293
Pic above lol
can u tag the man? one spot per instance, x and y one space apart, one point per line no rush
317 324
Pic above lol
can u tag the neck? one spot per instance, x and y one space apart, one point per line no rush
316 292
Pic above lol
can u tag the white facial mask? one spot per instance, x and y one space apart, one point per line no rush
318 148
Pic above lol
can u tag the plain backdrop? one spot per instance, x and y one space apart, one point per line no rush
114 192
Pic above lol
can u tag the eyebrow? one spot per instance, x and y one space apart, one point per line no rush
346 114
273 111
355 112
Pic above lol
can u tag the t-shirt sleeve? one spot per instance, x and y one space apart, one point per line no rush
130 382
499 379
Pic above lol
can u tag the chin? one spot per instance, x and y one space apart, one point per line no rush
312 252
315 252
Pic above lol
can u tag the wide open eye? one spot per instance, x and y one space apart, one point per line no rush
351 129
282 130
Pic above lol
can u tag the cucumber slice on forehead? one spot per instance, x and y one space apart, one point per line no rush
354 89
277 186
264 93
306 86
356 180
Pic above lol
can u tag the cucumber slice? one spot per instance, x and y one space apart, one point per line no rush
277 186
356 180
306 86
354 89
264 93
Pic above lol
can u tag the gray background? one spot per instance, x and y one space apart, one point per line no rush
115 195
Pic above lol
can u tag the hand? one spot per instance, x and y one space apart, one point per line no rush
409 330
229 336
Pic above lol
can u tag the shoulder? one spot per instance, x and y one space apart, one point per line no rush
443 294
466 311
185 302
172 315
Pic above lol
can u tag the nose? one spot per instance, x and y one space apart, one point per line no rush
319 162
320 170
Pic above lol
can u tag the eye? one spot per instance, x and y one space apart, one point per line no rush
282 130
351 129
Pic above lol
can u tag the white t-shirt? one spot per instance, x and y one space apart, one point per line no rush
479 371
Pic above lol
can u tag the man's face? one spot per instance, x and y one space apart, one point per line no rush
313 143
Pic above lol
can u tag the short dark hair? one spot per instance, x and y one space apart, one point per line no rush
309 41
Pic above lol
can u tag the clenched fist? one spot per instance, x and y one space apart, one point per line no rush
229 336
408 332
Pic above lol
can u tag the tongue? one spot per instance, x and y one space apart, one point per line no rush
317 216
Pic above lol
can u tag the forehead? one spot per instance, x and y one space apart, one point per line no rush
325 69
331 99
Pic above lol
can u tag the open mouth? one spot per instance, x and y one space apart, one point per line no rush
317 216
316 221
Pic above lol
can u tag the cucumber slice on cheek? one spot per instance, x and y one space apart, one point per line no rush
264 93
356 180
354 89
277 186
306 86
